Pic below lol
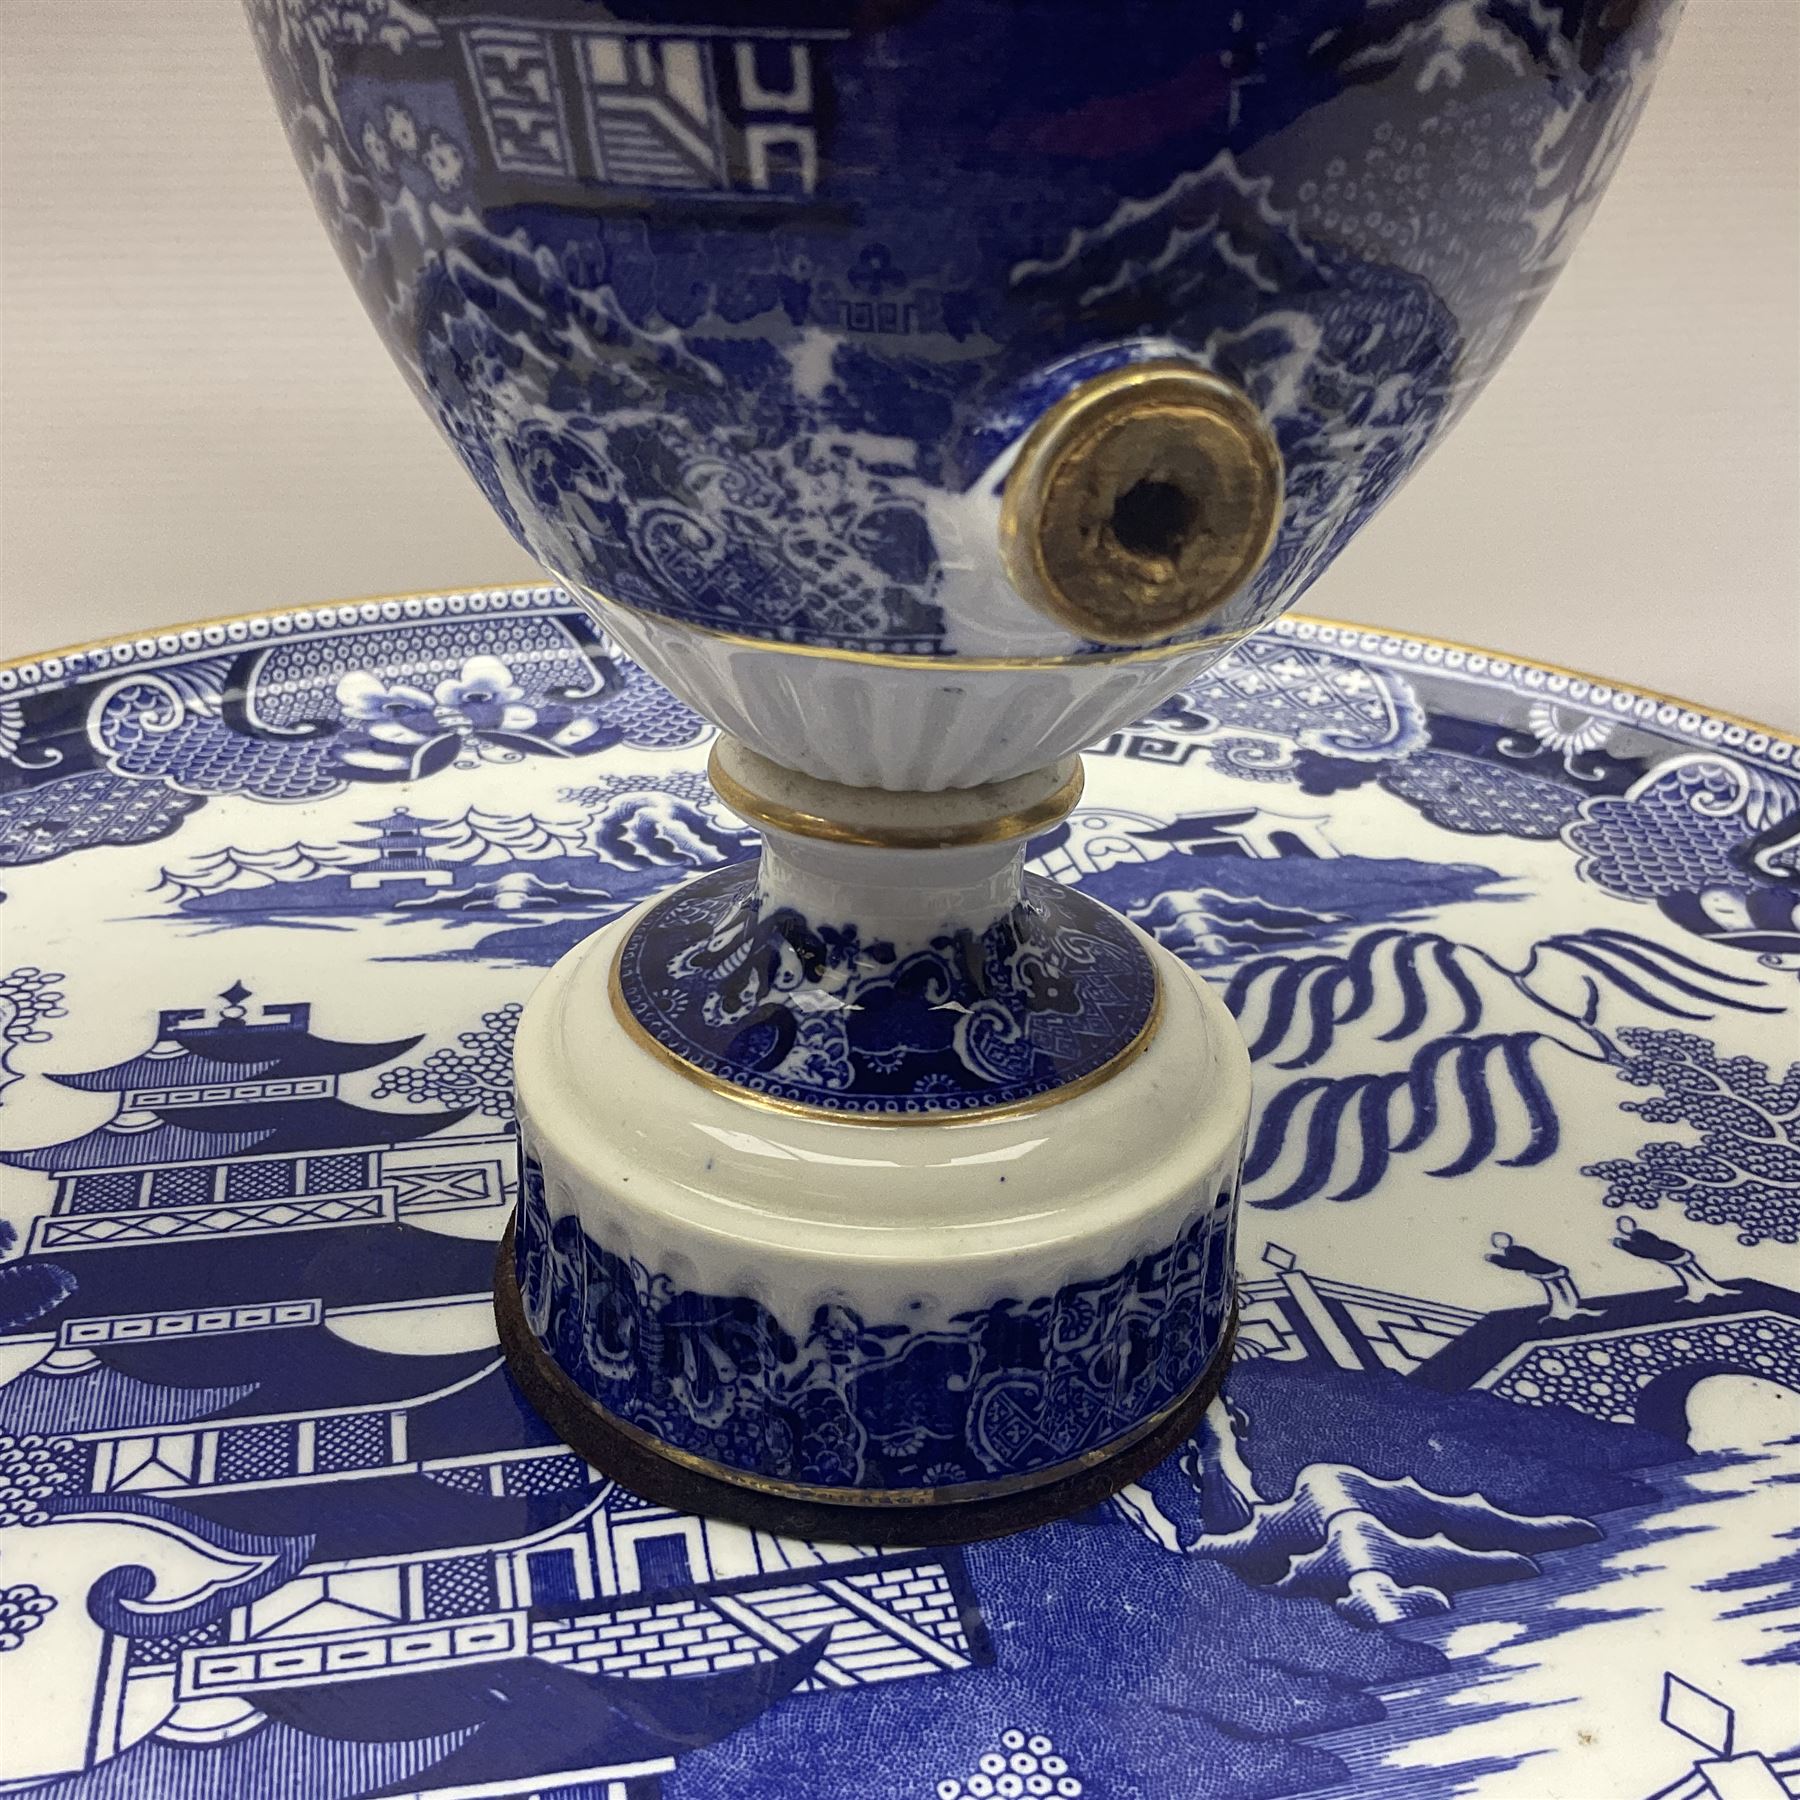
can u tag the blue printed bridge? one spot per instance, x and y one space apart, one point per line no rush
1636 1362
1626 1358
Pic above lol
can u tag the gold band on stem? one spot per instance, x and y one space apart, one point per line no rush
774 815
645 1039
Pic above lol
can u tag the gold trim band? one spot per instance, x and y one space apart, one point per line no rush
818 1495
940 665
1512 658
639 1033
1000 828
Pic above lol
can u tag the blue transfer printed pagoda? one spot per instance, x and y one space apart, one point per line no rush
226 1132
402 854
263 1093
261 1325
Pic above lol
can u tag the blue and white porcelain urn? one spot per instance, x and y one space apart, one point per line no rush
921 389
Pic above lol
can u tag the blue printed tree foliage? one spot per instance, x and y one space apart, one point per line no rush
27 997
477 1075
36 1472
23 1609
1745 1170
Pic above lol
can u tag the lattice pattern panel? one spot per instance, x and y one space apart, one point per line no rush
336 1174
257 1452
151 1652
103 1193
544 1475
182 1187
260 1181
458 1586
352 1441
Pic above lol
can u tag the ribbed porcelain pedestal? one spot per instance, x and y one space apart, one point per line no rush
904 1324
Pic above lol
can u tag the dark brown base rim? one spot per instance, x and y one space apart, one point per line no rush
588 1431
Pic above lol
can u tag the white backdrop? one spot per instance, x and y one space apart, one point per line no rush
195 419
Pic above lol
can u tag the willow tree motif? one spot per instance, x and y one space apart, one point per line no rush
1473 1088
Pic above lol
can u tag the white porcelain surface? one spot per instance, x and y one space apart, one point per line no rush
920 726
1611 876
731 1197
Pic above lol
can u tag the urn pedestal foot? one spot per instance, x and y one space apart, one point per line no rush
647 1468
875 1191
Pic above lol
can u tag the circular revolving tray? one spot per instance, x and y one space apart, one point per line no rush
1500 1498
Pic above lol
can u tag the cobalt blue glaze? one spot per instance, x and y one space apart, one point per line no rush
815 1015
837 1400
732 309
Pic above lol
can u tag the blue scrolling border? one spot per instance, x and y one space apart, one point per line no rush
815 1015
1015 1387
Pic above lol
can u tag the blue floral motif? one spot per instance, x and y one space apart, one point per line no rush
1019 1386
395 731
814 1015
125 759
203 729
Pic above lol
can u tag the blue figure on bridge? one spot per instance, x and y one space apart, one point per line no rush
1554 1277
1637 1240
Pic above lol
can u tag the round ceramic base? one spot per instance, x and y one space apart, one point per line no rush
636 1463
872 1261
